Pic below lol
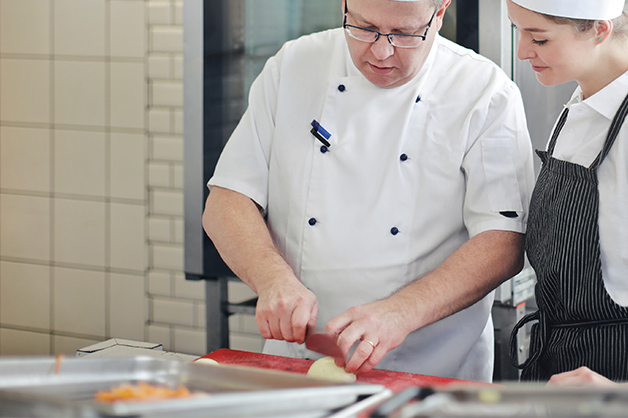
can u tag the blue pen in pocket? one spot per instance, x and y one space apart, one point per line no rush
320 133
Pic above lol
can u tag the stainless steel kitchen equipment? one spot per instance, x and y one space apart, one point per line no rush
45 387
521 400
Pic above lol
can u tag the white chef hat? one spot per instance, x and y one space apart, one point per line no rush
576 9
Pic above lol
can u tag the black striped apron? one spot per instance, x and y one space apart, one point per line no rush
578 322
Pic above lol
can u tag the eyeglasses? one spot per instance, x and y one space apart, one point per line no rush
399 40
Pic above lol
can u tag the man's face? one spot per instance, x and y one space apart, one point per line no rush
381 63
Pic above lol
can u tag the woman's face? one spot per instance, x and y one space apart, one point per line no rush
558 53
381 63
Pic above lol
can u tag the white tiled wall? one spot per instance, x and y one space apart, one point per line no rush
91 180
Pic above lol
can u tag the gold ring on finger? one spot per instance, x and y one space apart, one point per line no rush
369 341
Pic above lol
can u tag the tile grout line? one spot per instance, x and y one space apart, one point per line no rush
148 300
107 92
0 160
52 179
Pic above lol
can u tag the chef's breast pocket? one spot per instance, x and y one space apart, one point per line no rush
500 176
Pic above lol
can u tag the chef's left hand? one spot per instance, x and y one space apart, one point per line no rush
376 327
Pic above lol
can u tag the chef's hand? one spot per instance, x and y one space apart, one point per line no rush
582 376
284 309
376 327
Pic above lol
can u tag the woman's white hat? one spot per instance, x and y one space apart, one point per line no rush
576 9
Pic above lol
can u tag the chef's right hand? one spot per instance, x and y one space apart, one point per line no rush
284 310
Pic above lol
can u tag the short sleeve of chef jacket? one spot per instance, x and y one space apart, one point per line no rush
499 167
489 144
244 161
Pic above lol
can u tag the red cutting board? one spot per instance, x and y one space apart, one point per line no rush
395 381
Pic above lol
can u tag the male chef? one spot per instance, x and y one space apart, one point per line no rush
377 186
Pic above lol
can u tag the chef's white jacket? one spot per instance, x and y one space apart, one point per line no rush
411 174
579 142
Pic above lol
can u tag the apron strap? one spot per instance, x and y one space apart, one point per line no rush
599 322
542 334
559 127
535 316
616 124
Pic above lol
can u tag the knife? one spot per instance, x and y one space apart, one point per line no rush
322 342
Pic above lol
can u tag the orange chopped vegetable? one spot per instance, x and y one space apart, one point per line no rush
141 392
58 363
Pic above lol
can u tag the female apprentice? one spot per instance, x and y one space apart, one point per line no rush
577 237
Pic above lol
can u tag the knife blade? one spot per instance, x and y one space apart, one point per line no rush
322 342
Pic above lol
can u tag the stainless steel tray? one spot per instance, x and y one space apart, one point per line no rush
33 387
509 400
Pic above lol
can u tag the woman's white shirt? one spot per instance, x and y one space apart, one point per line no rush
579 142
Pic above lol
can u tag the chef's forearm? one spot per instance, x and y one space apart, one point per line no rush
465 277
237 229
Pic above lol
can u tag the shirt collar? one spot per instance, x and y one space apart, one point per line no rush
606 101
